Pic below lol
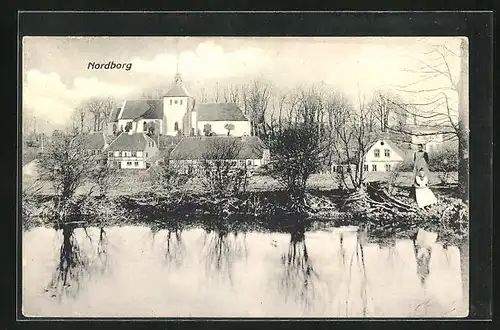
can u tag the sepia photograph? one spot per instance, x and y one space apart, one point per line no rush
248 177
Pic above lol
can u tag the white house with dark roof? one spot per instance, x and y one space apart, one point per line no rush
383 156
132 151
178 114
190 151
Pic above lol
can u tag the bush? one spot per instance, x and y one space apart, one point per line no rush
443 162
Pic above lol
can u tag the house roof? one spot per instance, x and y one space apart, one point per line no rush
91 141
129 142
193 147
394 147
178 90
113 116
147 109
220 112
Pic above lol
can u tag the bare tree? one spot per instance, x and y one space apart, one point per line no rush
105 177
297 151
256 97
232 94
446 106
220 165
66 164
352 140
99 109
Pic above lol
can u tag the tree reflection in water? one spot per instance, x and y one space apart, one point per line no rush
299 279
174 249
72 268
222 248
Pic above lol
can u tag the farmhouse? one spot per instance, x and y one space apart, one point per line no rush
178 114
191 152
132 151
93 142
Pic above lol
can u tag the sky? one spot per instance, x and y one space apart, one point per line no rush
56 78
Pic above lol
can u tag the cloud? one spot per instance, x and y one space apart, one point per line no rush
48 98
207 61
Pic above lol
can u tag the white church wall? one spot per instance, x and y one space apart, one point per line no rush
241 128
174 109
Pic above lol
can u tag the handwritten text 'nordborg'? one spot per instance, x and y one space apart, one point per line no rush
109 66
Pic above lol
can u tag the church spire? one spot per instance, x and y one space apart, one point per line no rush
177 77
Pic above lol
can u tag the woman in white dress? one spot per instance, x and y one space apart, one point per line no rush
423 194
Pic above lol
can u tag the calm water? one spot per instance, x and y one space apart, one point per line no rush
135 272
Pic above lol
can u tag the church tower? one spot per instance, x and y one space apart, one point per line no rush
177 107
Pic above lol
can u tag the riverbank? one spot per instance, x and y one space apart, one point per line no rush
262 210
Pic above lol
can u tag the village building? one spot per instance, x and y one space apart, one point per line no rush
190 153
133 151
93 142
383 156
178 114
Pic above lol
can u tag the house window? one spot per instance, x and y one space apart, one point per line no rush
146 154
176 126
110 154
134 154
114 128
136 163
387 153
129 163
180 102
365 168
374 167
175 101
387 167
170 102
145 127
249 162
376 153
139 153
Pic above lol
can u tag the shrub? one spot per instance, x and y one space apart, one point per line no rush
443 162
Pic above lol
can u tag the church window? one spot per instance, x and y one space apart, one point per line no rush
176 125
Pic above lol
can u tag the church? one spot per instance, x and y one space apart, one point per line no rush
178 114
177 127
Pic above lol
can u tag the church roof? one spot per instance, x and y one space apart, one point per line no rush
147 109
129 142
177 91
194 147
220 112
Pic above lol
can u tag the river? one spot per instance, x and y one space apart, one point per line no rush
134 271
